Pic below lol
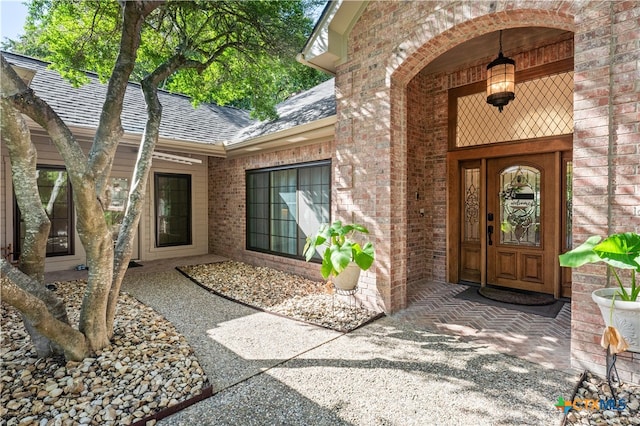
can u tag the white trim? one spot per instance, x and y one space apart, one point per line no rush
326 48
321 130
175 158
317 131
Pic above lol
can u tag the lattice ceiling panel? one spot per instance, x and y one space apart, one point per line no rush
542 107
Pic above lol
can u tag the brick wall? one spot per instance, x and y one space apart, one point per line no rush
227 205
396 117
391 142
606 160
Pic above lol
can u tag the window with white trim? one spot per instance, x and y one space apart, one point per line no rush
172 209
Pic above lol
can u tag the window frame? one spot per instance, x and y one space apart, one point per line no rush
297 167
188 177
17 241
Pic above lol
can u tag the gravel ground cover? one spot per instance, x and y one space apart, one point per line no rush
147 368
282 293
594 388
150 366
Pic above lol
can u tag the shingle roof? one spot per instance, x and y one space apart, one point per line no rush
311 105
82 107
207 123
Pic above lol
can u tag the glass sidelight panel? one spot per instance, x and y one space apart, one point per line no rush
471 193
471 219
520 205
568 225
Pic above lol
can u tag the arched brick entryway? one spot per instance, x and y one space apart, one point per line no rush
394 41
372 108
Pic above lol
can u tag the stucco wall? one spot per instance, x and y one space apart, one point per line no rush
393 41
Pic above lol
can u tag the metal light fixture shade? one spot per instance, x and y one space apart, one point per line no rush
501 80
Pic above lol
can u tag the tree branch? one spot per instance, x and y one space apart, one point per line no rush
110 129
27 102
23 156
141 174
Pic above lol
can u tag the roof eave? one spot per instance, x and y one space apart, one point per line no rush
317 131
215 149
322 130
178 145
326 48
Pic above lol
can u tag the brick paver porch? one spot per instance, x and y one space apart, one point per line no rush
545 341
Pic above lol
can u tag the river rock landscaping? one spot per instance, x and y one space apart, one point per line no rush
621 410
281 293
148 367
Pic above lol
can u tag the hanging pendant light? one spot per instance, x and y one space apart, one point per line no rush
501 75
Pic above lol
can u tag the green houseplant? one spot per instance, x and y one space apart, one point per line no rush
619 306
341 255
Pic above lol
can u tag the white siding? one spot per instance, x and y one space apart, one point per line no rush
199 208
123 166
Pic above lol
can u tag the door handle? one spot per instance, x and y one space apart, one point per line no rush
489 233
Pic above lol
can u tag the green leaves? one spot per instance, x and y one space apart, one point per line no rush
582 254
337 249
240 53
364 256
620 251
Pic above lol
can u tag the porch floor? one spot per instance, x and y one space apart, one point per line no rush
545 341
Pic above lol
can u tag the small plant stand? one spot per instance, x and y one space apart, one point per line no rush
612 372
351 294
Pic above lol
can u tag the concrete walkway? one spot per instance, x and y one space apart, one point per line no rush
270 370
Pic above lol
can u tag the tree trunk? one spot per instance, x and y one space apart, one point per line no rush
136 197
13 283
89 176
98 243
23 158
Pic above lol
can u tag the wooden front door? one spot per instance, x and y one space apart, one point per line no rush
510 221
521 222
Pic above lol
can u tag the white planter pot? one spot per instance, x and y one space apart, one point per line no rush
625 316
347 279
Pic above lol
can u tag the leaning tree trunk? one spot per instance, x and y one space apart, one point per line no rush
89 174
33 300
23 158
136 197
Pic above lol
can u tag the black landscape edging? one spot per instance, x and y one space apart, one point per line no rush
207 392
583 377
224 296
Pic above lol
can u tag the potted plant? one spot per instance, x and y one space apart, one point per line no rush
342 257
619 305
